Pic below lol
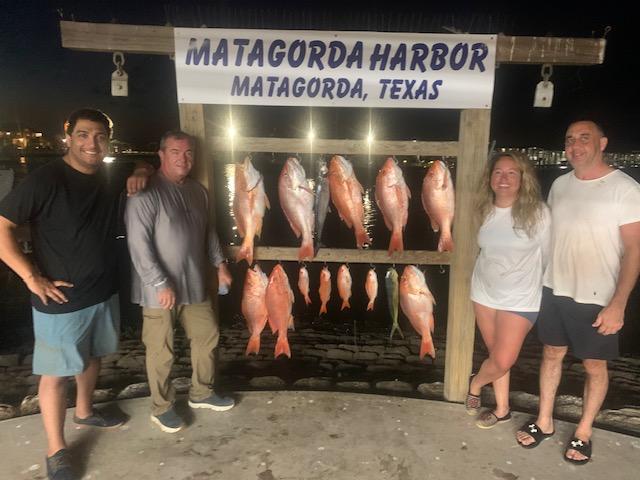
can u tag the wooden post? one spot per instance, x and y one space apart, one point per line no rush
474 144
192 122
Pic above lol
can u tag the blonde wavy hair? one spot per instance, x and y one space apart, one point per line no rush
528 207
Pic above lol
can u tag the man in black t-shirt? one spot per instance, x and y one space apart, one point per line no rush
71 205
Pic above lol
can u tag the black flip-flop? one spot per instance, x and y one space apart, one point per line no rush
536 433
584 448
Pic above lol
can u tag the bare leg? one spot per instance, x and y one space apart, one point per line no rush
486 320
509 331
595 390
86 384
550 374
52 393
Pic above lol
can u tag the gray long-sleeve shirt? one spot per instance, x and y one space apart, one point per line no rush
169 241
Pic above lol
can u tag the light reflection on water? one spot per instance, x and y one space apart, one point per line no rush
370 215
229 180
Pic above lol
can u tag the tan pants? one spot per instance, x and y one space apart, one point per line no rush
201 327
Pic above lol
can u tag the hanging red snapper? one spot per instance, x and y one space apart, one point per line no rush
392 197
279 299
254 306
344 286
438 200
371 287
296 200
325 289
417 303
346 195
303 284
249 203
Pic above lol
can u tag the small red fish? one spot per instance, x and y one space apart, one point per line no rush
303 284
325 289
371 287
344 286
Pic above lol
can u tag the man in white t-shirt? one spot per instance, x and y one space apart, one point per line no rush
595 262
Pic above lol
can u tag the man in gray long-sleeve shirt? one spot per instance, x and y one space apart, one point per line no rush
169 240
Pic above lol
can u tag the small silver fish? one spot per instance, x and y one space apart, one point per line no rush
321 203
391 285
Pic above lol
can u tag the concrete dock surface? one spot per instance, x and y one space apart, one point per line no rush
290 435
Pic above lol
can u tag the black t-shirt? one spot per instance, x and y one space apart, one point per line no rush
73 219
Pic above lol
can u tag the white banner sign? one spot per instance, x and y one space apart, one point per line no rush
334 69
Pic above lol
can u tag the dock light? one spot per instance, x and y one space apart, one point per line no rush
232 132
311 135
370 138
108 159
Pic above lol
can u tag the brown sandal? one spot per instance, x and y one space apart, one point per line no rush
472 404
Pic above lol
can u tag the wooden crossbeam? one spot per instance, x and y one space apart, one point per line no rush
110 37
349 147
349 255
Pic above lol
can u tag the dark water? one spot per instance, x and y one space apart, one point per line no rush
277 232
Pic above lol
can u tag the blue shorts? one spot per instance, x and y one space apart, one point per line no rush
66 341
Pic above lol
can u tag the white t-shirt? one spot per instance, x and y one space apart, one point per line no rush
508 271
586 243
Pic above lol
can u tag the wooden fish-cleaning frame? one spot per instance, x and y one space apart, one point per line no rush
470 150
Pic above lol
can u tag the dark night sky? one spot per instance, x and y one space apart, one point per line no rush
40 82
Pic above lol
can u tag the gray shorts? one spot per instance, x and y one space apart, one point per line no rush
531 316
66 341
565 322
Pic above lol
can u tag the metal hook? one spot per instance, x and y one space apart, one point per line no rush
607 29
546 71
442 270
118 61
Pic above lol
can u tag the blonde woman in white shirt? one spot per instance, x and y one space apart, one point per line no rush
506 285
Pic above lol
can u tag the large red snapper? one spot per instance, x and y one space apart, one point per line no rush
438 200
279 300
296 200
392 197
249 204
344 285
254 306
417 303
346 195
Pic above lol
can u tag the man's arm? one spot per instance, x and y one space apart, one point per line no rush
611 318
139 218
137 181
11 254
216 257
